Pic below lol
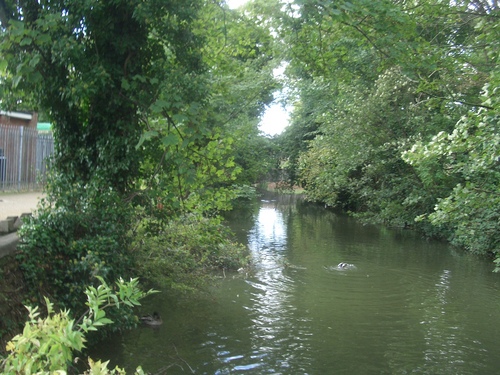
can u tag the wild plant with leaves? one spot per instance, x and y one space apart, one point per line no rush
48 345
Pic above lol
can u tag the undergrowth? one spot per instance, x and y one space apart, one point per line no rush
183 253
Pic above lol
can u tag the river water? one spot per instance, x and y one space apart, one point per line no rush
410 306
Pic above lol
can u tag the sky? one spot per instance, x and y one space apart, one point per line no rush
235 3
276 118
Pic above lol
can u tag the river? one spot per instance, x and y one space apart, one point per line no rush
410 306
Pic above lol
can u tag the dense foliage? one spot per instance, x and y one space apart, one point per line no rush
72 240
396 113
155 107
97 76
470 156
190 249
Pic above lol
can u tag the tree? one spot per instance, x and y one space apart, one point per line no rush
102 71
241 53
470 155
141 94
97 68
387 75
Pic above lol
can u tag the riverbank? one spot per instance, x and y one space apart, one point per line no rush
281 187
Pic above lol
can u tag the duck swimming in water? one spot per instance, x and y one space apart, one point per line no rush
151 320
346 266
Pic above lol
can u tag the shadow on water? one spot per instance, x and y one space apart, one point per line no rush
410 306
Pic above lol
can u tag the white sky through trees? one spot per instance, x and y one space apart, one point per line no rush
276 118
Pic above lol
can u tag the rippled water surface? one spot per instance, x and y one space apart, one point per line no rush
410 306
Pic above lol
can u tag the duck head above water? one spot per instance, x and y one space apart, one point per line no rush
346 266
151 320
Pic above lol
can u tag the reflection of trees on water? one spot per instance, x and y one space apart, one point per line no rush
446 344
277 333
411 307
437 342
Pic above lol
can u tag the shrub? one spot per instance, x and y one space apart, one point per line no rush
47 346
68 243
185 251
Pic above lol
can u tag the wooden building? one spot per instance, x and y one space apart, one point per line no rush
26 119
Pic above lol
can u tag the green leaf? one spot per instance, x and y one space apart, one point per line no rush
146 137
103 321
159 106
16 81
170 139
34 61
17 28
26 41
43 39
3 66
125 84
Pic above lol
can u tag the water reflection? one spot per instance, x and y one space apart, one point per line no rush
446 344
279 333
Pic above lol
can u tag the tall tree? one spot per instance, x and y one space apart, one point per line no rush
103 71
96 67
241 53
470 156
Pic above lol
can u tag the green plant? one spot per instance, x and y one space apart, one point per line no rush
74 238
470 156
47 345
183 254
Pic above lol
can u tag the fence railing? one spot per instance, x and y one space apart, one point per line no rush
24 155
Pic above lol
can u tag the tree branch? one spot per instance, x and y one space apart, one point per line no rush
358 29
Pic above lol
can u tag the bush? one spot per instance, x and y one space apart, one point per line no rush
68 243
186 251
47 346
